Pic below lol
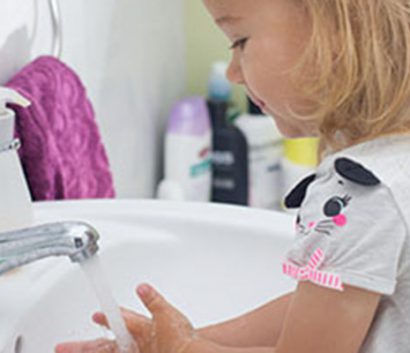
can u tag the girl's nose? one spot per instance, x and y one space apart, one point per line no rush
234 73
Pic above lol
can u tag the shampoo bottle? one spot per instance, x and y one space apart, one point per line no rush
230 149
187 153
265 145
15 200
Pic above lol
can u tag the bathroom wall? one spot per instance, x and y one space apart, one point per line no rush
205 44
131 57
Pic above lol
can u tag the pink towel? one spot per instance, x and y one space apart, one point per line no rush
61 153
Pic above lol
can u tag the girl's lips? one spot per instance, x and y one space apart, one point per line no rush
261 104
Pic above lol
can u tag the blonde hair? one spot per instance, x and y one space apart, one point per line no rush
360 82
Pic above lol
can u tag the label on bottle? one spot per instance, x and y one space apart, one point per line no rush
265 176
223 158
225 184
200 168
188 163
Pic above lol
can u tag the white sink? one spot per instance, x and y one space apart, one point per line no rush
213 262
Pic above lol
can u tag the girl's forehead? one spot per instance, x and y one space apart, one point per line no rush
221 4
228 7
246 8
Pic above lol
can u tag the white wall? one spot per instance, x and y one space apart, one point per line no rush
130 55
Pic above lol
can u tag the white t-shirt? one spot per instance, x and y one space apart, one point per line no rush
353 229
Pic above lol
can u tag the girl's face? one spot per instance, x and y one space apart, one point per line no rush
268 38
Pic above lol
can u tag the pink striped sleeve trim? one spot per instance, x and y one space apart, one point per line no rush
311 273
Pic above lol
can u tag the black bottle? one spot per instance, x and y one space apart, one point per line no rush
229 158
253 108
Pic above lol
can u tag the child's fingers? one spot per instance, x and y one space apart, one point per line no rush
102 346
129 314
136 324
98 346
154 301
101 319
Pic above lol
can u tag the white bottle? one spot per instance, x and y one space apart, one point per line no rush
188 144
15 201
265 153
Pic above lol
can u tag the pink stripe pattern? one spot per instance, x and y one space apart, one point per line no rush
311 272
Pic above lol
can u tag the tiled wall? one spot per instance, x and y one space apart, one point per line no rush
130 55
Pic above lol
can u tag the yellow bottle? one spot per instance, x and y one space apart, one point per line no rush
300 158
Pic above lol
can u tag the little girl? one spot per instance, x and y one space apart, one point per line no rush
338 70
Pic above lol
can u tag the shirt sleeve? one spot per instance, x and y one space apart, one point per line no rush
347 234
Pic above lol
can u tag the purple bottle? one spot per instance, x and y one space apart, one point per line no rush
188 144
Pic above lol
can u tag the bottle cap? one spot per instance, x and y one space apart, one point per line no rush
190 116
219 87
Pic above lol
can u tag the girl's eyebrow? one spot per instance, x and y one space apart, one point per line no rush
227 20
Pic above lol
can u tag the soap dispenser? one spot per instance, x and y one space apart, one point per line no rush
15 201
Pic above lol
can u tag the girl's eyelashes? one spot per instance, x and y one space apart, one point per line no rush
239 44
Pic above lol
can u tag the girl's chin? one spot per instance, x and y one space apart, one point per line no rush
285 130
290 133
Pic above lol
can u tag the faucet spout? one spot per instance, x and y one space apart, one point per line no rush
77 240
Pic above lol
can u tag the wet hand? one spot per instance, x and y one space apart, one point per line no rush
169 331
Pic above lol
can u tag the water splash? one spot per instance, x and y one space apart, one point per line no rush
93 270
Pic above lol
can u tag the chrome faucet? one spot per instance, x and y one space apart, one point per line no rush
76 240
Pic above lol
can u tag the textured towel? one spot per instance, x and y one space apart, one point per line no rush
62 153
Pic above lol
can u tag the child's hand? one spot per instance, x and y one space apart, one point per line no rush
169 331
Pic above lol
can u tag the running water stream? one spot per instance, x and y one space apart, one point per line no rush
93 270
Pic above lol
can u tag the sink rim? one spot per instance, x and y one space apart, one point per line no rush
153 209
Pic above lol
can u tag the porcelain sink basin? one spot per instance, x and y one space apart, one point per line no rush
213 262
